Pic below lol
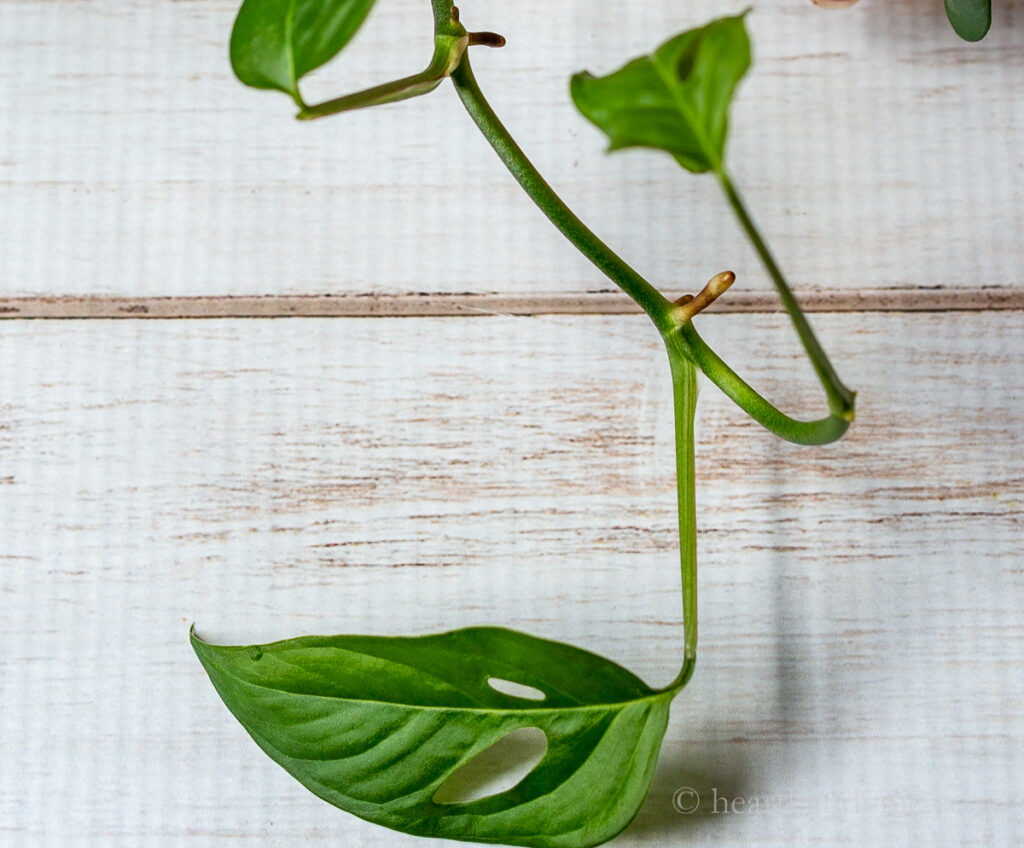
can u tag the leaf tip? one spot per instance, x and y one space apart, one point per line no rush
196 642
577 81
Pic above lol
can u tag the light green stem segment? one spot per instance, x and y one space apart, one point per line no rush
389 92
449 49
684 393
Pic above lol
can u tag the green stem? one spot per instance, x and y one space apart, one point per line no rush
449 48
819 432
840 398
684 336
684 393
444 18
609 262
685 347
389 92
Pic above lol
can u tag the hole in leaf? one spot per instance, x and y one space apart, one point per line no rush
516 690
495 770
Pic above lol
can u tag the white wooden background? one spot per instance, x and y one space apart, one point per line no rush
877 148
861 678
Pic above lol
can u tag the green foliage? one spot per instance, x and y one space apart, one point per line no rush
970 18
375 725
380 726
275 43
676 99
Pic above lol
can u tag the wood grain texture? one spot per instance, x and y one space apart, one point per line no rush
370 305
861 647
877 149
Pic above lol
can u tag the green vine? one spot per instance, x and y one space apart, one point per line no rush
379 725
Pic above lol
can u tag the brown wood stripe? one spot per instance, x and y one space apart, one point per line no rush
435 305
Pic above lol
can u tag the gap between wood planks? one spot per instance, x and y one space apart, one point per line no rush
438 305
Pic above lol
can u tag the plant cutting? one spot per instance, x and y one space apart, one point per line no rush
379 725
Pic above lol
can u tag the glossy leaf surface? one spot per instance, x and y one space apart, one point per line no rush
275 43
676 99
376 725
970 18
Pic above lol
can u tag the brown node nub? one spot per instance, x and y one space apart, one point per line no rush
687 306
486 39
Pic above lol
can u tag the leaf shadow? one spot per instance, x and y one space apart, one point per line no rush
696 782
687 783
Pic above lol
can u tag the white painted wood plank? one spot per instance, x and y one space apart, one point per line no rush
861 650
876 148
464 305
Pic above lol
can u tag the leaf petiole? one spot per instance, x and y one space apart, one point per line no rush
448 52
684 396
450 43
840 398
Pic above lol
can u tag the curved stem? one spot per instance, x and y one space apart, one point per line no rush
609 262
840 398
819 432
449 48
389 92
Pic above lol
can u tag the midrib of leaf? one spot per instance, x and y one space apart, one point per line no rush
388 660
671 690
611 706
289 48
668 78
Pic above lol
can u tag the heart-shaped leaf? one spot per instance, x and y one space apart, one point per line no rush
376 725
275 43
676 99
970 18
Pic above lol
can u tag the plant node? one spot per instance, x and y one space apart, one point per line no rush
687 306
486 39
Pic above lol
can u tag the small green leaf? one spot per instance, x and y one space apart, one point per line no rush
275 43
676 99
970 18
376 725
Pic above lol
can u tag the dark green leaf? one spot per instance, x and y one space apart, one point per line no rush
676 99
970 18
376 725
277 42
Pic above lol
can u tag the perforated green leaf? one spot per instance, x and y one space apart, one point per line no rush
376 725
676 99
